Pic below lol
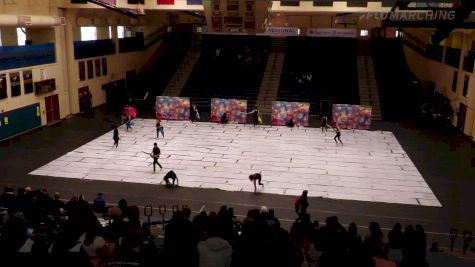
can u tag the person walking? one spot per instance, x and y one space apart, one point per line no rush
159 127
323 123
155 154
337 134
116 137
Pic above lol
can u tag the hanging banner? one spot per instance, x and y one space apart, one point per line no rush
235 110
282 31
351 116
194 2
283 112
165 2
332 32
172 108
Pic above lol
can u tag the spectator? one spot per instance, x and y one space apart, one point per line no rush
395 237
215 251
99 204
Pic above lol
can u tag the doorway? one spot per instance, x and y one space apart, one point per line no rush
52 108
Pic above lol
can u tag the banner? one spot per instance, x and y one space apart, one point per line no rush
285 111
351 116
194 2
332 32
172 108
235 110
165 2
282 31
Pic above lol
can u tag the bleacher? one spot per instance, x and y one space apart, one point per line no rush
397 92
320 69
39 230
169 57
230 66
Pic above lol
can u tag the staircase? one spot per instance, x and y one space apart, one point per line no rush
368 88
176 84
270 82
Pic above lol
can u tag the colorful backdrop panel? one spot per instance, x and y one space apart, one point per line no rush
172 108
284 111
235 110
352 116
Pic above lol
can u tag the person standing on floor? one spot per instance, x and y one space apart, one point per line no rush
337 134
116 137
155 154
323 123
193 113
159 127
255 116
129 123
301 204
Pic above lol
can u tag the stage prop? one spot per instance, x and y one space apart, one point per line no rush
351 116
130 111
172 108
235 110
284 111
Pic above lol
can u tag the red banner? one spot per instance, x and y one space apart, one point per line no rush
165 2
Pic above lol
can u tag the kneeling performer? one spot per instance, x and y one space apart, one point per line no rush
170 175
256 177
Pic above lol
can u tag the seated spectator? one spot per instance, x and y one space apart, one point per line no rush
395 237
129 253
7 198
99 204
215 251
380 259
58 205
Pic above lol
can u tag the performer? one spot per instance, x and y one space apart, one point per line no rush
159 127
224 118
290 123
170 175
129 123
255 116
256 177
301 204
323 123
338 134
155 154
116 137
193 113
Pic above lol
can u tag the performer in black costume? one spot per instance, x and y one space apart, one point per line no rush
193 113
338 134
155 154
256 177
224 118
323 123
116 137
255 115
170 175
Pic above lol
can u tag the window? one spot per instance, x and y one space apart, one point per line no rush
120 32
110 32
21 36
0 37
364 33
465 85
88 33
